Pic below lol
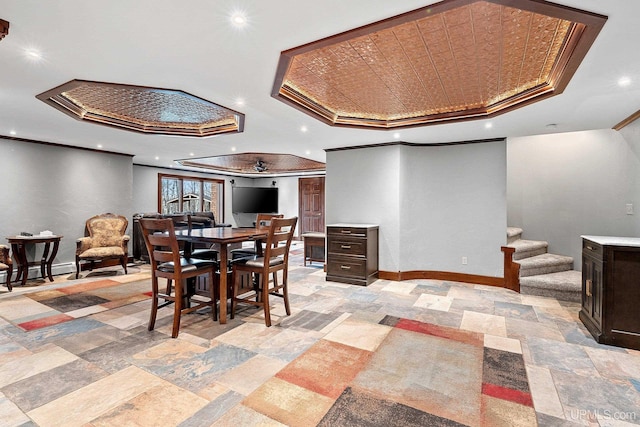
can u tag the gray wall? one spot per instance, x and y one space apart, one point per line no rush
48 187
562 186
434 204
453 205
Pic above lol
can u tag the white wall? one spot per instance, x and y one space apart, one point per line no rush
49 187
434 204
565 185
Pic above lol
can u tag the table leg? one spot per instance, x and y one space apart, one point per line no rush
20 255
43 261
223 282
49 262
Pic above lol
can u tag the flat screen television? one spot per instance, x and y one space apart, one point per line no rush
254 199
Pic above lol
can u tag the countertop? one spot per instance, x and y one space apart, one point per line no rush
614 241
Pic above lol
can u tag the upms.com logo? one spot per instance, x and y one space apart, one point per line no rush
603 414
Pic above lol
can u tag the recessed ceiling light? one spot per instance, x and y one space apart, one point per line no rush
99 145
191 154
303 129
307 152
233 148
33 54
239 102
488 125
238 18
396 135
157 158
624 81
12 132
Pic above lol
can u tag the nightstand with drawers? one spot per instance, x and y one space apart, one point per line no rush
352 253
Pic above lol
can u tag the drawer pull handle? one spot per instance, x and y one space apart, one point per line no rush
345 267
345 231
346 246
590 247
588 286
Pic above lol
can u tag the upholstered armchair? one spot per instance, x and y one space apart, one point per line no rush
6 264
106 240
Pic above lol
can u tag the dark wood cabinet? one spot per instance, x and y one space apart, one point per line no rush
352 253
611 290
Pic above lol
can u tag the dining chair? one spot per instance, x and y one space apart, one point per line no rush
6 264
263 221
208 252
274 259
166 262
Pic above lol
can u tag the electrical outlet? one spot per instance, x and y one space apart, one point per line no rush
629 208
464 260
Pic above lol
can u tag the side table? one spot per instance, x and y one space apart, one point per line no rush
313 240
18 247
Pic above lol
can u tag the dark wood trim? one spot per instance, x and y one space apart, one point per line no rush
413 144
4 28
442 275
54 144
585 28
511 269
55 98
632 118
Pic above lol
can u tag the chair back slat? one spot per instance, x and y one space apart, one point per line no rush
160 238
279 238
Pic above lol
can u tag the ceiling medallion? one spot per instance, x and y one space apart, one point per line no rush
4 28
451 61
143 109
256 163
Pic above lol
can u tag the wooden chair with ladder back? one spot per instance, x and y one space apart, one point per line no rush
274 259
167 262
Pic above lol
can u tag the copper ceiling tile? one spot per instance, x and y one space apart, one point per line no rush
455 60
143 109
256 163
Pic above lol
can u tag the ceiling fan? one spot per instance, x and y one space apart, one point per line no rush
260 166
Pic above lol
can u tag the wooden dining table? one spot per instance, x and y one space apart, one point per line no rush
222 236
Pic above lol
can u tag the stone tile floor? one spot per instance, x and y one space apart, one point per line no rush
107 369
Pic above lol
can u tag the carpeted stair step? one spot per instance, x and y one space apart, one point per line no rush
564 285
513 234
544 264
528 248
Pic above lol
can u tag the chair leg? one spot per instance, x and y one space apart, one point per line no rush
77 268
177 310
9 274
213 296
285 292
265 299
235 277
154 303
123 262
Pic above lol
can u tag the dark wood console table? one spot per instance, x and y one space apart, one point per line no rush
610 289
18 247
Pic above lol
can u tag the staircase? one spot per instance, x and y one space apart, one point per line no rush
542 273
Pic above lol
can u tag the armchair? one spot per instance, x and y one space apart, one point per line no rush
6 264
106 240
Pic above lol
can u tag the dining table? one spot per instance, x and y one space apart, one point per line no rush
223 236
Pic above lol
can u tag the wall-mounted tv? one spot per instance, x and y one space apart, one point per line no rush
254 199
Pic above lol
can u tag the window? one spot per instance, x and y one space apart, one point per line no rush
190 194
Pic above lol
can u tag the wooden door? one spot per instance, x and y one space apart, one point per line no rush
311 202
